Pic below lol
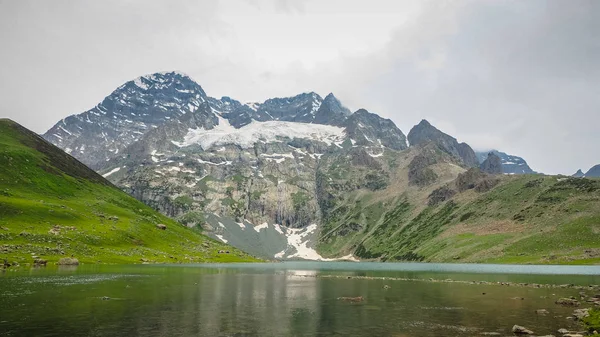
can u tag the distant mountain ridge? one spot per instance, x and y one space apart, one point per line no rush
303 177
425 132
593 172
510 164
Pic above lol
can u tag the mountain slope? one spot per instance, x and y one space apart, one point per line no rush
53 206
593 172
510 164
460 216
425 132
302 177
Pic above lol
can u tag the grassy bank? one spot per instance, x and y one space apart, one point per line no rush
52 206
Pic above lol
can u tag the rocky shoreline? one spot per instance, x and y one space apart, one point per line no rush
578 315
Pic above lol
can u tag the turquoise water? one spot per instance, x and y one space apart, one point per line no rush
286 299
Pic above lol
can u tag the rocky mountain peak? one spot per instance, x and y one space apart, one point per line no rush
331 112
122 117
424 123
300 108
593 172
369 129
578 174
492 164
424 132
511 164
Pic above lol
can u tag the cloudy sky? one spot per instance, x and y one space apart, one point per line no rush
519 76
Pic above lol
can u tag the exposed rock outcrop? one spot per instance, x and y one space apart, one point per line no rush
511 164
440 195
369 129
475 179
492 164
424 132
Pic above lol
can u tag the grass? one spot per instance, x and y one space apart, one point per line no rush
592 322
523 219
52 206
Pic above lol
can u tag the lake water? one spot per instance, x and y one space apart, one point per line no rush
286 299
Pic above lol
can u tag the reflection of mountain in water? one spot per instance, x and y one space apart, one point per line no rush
268 300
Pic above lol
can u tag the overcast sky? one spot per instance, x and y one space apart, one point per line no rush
519 76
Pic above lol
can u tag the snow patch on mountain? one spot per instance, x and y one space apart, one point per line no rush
111 172
271 131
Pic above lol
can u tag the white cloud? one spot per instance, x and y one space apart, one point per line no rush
522 77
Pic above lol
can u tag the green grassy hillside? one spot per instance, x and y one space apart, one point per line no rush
497 219
52 206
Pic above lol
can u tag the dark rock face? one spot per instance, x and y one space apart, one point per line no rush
237 113
492 164
331 112
300 108
125 115
425 132
161 138
467 155
475 179
593 172
368 129
578 174
440 195
419 172
510 164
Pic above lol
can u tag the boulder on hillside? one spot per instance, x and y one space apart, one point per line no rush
161 226
492 164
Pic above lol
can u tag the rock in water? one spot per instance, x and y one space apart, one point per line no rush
68 261
521 330
580 314
492 164
352 299
567 301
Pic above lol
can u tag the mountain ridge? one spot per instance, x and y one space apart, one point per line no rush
347 187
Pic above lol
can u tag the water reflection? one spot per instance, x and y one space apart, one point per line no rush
185 301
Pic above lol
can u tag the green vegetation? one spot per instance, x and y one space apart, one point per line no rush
592 322
193 218
515 219
52 207
184 202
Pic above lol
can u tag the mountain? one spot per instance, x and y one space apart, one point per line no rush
53 206
425 132
578 174
302 178
510 164
492 164
593 172
127 113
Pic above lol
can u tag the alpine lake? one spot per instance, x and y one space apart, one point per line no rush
292 299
